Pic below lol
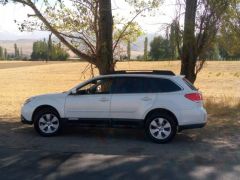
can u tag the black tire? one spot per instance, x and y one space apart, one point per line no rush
53 122
165 125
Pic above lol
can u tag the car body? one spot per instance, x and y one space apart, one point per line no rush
121 100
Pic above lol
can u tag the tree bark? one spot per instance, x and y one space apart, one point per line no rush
189 54
105 51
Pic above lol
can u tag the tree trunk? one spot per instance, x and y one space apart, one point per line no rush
105 63
189 55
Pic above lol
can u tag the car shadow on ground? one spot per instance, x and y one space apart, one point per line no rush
93 153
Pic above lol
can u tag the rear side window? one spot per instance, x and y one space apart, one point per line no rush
124 85
163 85
189 84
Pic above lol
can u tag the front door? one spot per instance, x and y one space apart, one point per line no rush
91 101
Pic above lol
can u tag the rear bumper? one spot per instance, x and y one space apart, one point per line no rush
191 126
193 117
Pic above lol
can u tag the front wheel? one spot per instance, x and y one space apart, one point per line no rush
160 128
47 123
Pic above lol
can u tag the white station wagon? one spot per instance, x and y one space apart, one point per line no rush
159 102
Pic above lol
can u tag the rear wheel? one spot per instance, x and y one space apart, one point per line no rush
47 122
160 128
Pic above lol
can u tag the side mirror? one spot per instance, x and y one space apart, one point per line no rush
73 92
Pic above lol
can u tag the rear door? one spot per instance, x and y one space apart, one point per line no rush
130 99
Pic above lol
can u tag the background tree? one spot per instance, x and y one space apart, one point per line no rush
159 48
58 53
1 53
129 50
131 32
5 54
41 51
85 27
145 55
105 59
172 40
202 21
16 51
228 38
189 56
50 47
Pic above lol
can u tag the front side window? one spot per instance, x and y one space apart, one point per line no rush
100 86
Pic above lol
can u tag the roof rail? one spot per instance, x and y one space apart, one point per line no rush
157 72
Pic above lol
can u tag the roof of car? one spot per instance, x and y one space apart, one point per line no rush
137 75
152 72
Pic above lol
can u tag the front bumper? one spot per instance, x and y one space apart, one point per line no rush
26 113
24 121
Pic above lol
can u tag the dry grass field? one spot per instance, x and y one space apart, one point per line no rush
218 81
208 153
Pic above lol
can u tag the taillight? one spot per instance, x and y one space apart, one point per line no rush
196 97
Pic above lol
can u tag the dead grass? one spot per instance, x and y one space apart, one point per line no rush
218 81
224 106
17 64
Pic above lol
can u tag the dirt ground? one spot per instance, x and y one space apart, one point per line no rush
98 153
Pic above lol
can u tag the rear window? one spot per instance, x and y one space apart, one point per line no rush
163 85
189 84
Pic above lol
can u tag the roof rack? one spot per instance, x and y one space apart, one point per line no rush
157 72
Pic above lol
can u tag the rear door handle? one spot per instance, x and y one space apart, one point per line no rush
104 99
146 99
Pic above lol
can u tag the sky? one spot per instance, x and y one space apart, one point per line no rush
150 24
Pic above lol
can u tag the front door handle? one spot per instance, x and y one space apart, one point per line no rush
104 100
146 99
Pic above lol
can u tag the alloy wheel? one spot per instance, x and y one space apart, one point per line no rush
160 128
48 123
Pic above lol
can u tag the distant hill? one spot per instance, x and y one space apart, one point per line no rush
26 45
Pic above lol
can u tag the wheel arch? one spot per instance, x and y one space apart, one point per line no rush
161 110
41 107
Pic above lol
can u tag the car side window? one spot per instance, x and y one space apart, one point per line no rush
99 86
125 85
162 85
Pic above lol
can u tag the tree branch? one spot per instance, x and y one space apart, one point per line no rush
56 33
88 44
124 30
